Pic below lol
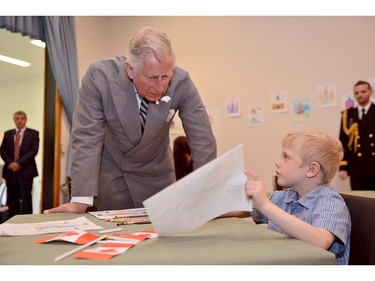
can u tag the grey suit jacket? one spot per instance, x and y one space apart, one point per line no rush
111 159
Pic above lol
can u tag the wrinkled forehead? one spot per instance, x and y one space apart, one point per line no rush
153 65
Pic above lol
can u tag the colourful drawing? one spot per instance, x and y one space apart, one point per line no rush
302 109
348 100
326 94
233 106
279 101
255 115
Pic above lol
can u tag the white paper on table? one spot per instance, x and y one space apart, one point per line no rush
208 192
19 229
111 214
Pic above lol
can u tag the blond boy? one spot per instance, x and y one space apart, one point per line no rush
309 209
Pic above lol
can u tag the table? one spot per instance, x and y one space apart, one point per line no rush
219 242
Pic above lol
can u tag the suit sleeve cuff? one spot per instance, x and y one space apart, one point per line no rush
84 200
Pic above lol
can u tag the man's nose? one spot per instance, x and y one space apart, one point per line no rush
161 86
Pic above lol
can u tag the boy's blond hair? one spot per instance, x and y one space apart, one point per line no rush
317 147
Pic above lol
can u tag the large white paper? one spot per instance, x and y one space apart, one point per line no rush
210 191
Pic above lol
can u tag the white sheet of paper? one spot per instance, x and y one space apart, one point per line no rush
210 191
19 229
110 214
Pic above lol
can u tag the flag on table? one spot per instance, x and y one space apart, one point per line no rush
79 237
105 251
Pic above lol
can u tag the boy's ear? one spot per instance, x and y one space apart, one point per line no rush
313 170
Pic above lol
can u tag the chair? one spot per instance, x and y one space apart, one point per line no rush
362 212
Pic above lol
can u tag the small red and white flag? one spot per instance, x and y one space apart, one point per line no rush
78 237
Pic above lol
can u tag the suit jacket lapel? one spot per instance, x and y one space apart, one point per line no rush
369 116
156 117
125 102
25 140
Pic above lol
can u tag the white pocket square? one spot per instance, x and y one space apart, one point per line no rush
166 99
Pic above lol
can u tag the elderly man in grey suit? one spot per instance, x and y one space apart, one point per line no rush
120 159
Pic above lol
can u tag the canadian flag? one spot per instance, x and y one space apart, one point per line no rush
105 251
78 237
119 244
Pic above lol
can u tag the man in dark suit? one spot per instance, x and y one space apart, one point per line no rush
119 158
357 134
18 151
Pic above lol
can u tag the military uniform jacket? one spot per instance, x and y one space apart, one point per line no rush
111 159
358 139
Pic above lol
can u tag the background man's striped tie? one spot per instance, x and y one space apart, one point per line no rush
17 145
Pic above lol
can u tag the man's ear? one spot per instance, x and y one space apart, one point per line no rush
129 70
313 170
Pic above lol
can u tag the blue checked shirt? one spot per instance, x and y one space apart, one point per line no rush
322 207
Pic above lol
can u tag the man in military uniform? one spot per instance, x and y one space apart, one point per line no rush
357 134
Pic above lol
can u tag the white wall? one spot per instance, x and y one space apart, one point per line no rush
250 57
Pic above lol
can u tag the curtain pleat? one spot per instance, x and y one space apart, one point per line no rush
27 26
61 46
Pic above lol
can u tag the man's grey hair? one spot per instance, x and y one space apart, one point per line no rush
146 41
20 112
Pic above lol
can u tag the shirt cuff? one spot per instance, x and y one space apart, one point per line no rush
84 200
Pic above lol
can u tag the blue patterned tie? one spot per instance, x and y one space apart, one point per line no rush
143 113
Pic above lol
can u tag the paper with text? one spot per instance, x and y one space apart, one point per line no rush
19 229
210 191
110 214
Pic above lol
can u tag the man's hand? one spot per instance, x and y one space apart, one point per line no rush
14 166
78 208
